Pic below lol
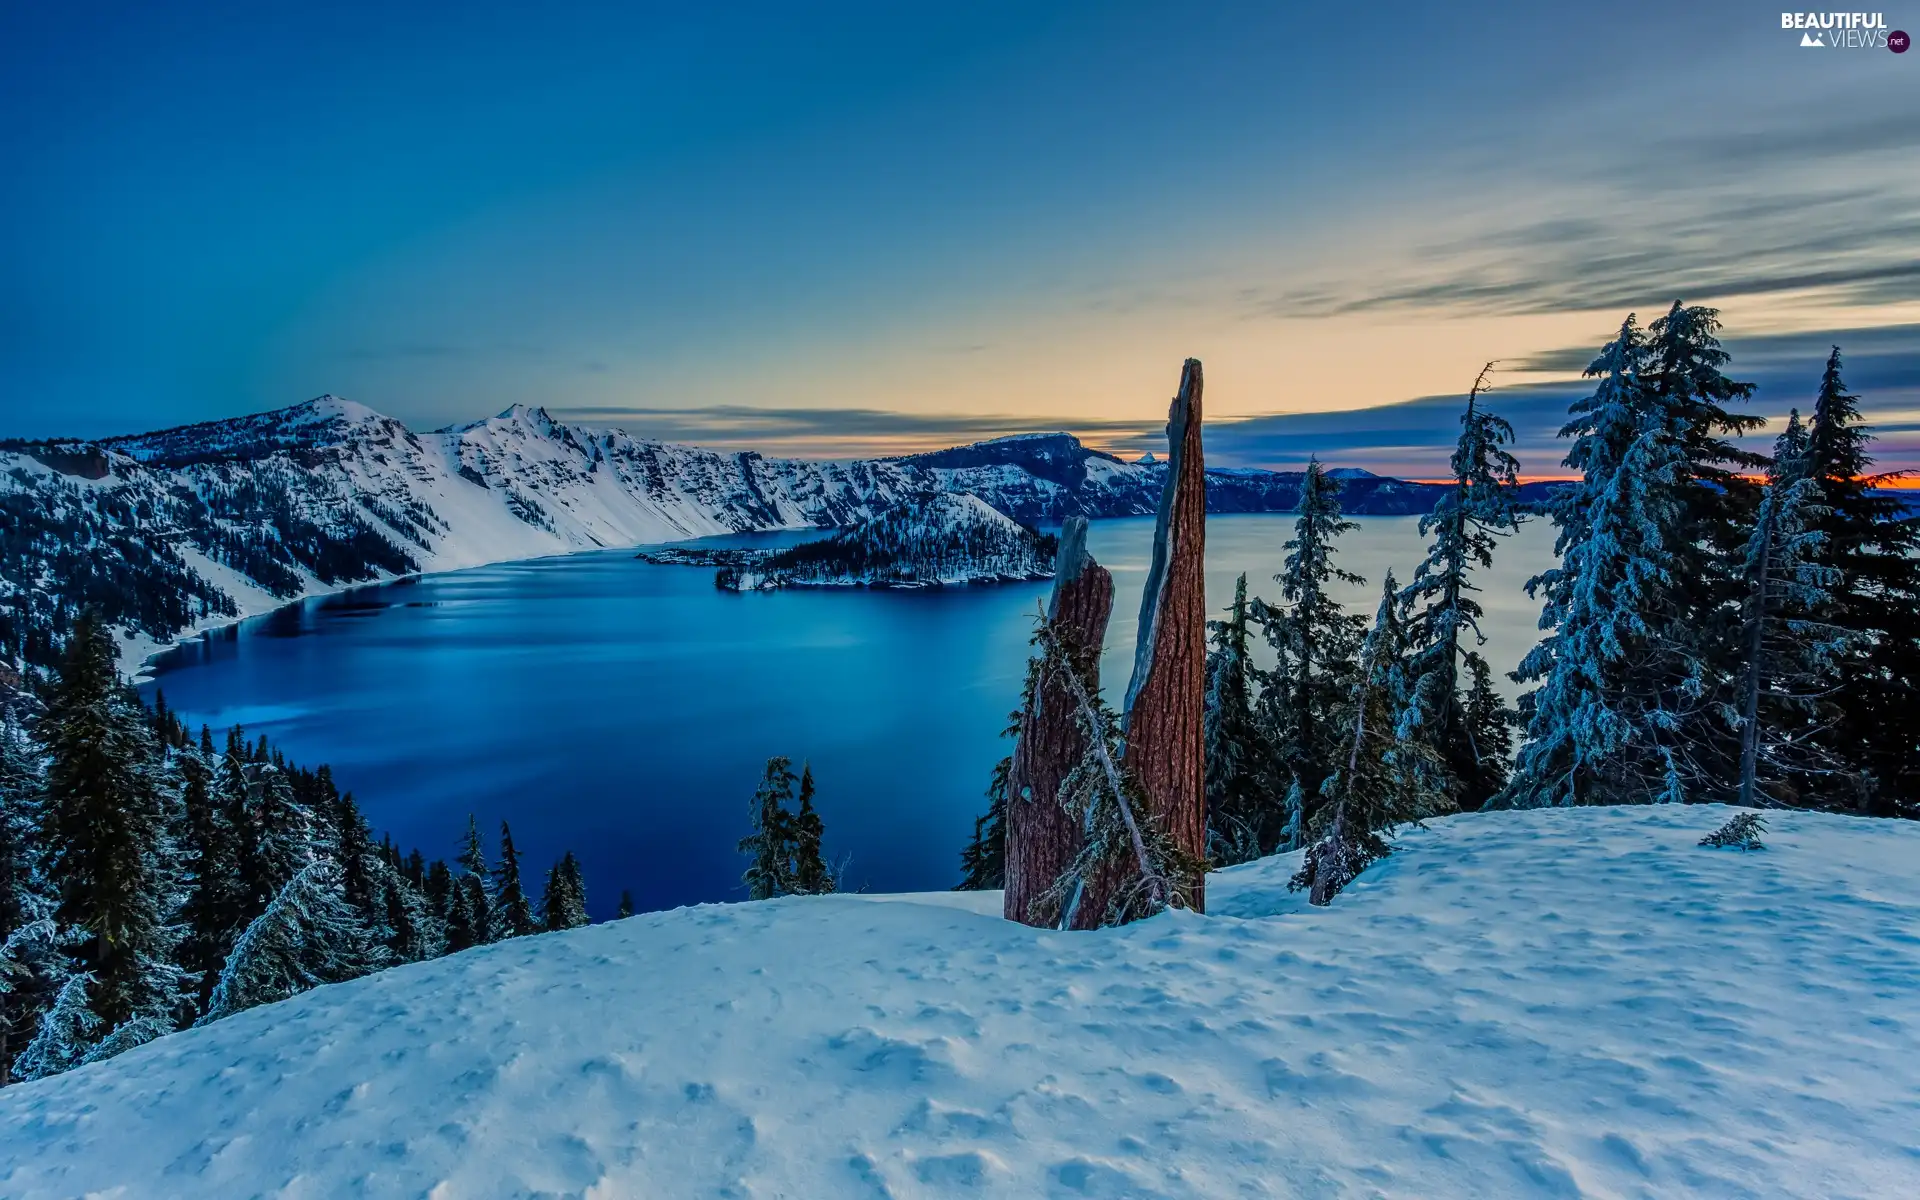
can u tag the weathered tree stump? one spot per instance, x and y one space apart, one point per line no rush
1166 698
1042 837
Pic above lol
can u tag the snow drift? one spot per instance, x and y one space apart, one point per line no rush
1549 1003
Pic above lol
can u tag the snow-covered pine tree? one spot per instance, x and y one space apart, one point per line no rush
1490 721
33 949
282 831
811 877
67 1034
1384 780
626 906
1124 855
1782 705
512 912
770 844
365 878
1607 724
1244 818
107 816
564 903
1467 524
1303 702
218 903
306 937
463 930
1876 597
477 902
1683 371
412 933
983 860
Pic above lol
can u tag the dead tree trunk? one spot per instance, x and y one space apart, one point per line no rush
1042 836
1166 698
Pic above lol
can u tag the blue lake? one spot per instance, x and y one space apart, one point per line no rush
626 711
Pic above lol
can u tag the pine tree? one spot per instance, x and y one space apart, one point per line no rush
67 1033
218 903
626 906
1791 654
1243 819
477 915
1303 702
564 903
307 936
769 847
33 949
1467 523
810 874
283 832
1602 727
983 861
1875 551
1384 781
512 914
106 824
463 928
1684 376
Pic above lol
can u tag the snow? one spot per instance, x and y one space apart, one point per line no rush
1549 1003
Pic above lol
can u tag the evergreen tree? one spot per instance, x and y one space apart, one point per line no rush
769 847
306 937
564 903
1466 525
1303 702
67 1034
463 927
1603 726
1874 550
218 902
810 874
477 921
1782 704
1490 722
1243 819
626 906
282 831
33 958
106 821
439 889
1384 780
512 914
983 861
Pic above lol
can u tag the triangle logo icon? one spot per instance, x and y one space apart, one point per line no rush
1813 39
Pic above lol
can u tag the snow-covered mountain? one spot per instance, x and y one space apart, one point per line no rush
167 532
1561 1003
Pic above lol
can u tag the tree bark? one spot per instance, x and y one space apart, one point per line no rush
1042 837
1167 696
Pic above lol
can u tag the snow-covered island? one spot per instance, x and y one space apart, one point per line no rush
1578 1002
939 539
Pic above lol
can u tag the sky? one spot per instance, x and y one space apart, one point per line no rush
866 229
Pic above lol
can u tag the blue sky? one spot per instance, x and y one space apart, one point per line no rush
867 228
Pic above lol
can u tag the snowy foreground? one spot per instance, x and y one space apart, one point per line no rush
1535 1004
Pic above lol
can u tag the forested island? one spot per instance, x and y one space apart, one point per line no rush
934 540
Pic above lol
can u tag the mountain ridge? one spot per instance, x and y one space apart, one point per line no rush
174 530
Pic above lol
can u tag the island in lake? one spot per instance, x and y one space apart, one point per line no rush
936 540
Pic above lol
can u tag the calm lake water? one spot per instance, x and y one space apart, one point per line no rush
626 710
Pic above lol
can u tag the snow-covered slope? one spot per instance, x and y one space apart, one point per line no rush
1571 1003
